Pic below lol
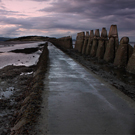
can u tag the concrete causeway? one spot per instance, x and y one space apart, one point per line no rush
76 101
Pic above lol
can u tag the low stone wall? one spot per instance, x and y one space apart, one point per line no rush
64 42
107 47
30 106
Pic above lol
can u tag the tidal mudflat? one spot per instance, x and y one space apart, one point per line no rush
17 64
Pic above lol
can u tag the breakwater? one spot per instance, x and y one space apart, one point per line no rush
107 48
30 106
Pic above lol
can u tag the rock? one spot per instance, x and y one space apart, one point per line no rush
113 31
19 124
109 52
124 40
94 48
85 43
121 56
104 33
25 101
101 49
79 41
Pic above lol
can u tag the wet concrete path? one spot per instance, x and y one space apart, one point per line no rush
76 101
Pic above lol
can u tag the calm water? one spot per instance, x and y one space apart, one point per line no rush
9 58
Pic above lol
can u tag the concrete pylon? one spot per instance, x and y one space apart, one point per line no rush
90 40
113 31
101 49
109 52
91 34
85 43
131 63
94 48
102 44
79 41
104 33
97 34
124 52
112 45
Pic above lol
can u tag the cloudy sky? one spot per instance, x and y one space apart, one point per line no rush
58 18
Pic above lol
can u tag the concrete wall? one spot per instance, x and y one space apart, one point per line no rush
107 47
64 42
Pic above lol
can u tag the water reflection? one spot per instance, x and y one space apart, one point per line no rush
8 58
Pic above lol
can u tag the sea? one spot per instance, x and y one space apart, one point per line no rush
11 58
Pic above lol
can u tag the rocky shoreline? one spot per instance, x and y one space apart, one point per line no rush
11 78
24 86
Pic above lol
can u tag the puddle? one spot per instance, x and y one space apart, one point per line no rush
7 93
28 73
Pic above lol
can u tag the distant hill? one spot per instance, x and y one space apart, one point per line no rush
31 38
4 38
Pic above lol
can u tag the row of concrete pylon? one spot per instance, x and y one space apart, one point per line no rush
106 47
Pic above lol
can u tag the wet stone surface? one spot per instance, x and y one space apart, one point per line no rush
117 77
75 101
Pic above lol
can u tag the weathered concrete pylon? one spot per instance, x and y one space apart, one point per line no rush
104 33
90 41
79 41
113 31
112 45
97 34
85 43
131 63
121 57
95 43
102 44
123 53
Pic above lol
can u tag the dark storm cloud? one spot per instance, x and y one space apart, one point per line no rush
102 12
78 15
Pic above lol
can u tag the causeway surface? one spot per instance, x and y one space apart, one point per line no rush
75 101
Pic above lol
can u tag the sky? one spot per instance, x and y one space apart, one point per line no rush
59 18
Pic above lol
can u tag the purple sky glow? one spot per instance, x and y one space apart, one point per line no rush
58 18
